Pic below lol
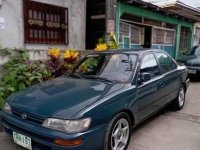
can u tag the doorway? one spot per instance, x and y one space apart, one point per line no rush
95 22
147 37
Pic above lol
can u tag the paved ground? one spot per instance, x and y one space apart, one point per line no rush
166 131
172 130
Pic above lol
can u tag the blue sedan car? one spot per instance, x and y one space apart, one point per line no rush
192 61
96 106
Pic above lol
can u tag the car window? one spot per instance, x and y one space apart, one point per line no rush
149 65
173 64
166 64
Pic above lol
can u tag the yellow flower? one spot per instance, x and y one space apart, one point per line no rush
101 47
54 52
70 54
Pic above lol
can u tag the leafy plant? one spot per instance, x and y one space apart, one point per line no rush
20 74
103 45
88 65
113 41
59 63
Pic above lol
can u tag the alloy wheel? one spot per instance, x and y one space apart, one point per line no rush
181 98
120 135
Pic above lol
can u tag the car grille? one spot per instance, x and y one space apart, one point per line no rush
29 117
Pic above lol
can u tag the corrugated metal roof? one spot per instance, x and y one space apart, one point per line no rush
178 7
162 10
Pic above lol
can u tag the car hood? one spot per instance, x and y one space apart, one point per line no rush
62 97
190 60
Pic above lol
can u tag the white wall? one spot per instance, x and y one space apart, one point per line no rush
13 34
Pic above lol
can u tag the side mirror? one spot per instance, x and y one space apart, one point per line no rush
144 77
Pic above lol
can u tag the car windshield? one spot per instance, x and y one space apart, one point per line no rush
107 67
197 52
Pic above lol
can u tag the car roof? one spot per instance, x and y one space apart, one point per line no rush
139 51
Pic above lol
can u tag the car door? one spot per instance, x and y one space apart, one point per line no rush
171 76
149 93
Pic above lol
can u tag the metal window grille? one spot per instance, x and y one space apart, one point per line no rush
45 24
184 39
197 35
163 36
133 33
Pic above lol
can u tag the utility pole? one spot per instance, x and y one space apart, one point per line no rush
110 15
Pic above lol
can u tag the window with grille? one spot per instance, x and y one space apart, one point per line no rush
163 36
45 24
185 40
130 32
197 36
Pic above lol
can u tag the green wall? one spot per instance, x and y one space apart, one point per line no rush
153 15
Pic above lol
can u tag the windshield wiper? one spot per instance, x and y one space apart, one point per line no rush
80 76
76 75
98 78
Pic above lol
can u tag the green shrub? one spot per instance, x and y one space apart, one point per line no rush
21 73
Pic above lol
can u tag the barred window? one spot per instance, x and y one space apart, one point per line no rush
185 40
197 36
158 36
124 30
133 33
163 36
45 24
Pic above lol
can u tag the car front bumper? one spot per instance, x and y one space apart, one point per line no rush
43 138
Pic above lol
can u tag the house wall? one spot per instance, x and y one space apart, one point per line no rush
197 34
3 59
142 12
13 34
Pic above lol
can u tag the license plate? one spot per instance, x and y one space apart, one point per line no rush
192 71
22 140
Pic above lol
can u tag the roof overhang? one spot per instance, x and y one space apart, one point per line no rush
180 8
159 9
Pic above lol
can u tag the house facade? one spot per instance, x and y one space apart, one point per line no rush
182 9
197 34
142 24
40 24
78 24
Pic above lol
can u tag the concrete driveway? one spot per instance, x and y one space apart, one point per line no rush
167 130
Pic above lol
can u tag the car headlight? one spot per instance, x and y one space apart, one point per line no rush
7 108
68 126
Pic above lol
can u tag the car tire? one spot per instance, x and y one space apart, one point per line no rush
118 133
179 102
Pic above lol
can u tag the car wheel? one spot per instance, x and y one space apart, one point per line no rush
118 133
180 100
